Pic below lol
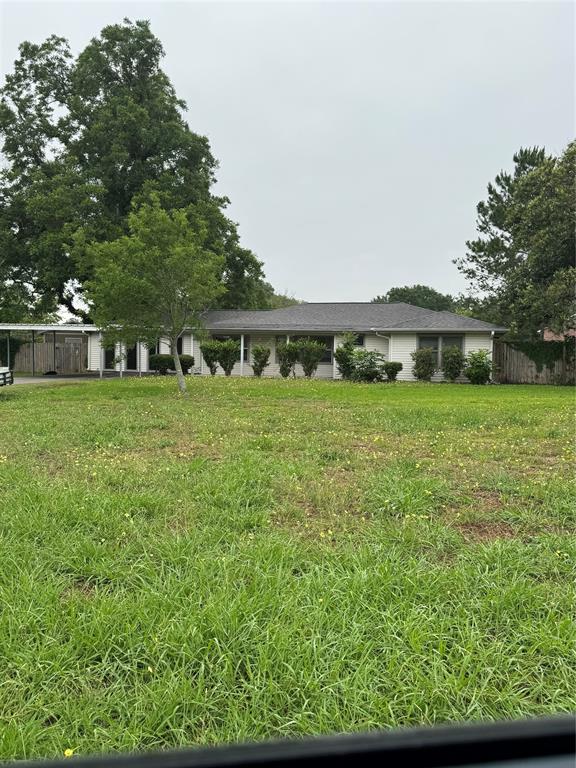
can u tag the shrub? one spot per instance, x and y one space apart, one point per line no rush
368 365
478 367
424 366
344 356
287 353
260 359
452 362
228 354
164 363
392 369
210 352
310 353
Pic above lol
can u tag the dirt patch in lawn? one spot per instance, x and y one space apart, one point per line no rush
486 530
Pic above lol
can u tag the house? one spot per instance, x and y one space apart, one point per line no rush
395 330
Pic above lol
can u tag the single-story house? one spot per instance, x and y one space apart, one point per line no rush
395 330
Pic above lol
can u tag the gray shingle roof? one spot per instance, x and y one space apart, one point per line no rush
346 316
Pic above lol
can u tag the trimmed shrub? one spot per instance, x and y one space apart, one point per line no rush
210 352
368 365
310 353
287 354
392 369
164 363
424 366
344 356
260 359
228 354
452 362
478 367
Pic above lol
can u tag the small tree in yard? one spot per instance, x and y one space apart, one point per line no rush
228 354
310 353
424 366
287 354
392 369
452 362
344 356
478 367
260 359
156 280
210 352
368 365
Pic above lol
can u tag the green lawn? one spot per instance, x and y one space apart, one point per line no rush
277 558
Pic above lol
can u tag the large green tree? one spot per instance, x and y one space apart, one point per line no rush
523 258
155 281
83 139
419 296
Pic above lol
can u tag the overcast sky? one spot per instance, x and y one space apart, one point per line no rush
354 139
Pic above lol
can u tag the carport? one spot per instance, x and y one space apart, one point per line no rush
38 349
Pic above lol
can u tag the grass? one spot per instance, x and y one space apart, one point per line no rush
278 558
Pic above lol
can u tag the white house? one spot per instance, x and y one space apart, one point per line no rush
395 330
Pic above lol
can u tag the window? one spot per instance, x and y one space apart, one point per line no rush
236 337
359 340
437 343
179 345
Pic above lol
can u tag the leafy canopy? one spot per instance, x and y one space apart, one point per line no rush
86 138
523 257
156 280
419 296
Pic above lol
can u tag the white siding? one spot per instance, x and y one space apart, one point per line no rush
401 347
474 341
94 350
403 344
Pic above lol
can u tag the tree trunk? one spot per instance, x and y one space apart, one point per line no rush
178 367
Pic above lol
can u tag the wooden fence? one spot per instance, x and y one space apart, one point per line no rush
512 366
70 355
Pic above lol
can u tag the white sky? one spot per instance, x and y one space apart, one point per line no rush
355 139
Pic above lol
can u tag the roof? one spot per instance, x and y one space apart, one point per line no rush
345 316
315 318
45 327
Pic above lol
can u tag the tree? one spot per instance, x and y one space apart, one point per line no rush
155 281
424 363
210 350
260 359
228 355
452 362
523 258
419 296
344 355
85 139
310 352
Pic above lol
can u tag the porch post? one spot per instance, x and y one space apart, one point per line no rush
138 360
241 354
121 356
8 348
33 353
54 350
334 357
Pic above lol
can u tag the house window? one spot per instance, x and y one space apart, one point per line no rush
238 339
359 340
179 345
328 342
437 343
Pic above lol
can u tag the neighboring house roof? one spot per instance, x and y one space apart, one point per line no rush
345 316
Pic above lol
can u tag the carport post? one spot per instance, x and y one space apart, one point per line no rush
138 356
241 354
54 351
101 358
8 348
33 353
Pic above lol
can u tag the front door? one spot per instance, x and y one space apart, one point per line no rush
131 359
109 356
